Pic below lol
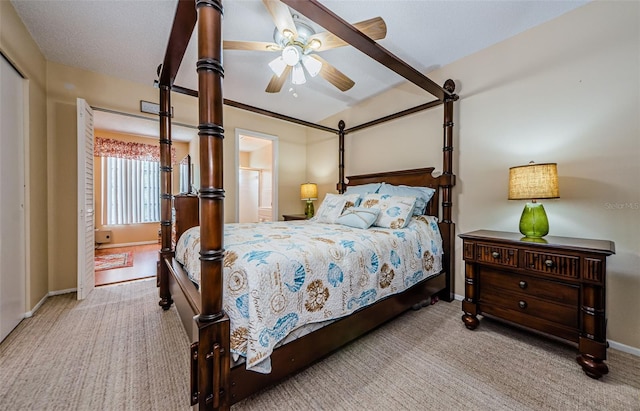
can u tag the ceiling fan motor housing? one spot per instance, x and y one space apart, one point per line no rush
304 33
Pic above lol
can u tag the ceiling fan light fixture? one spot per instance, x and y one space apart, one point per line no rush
291 55
287 33
278 65
314 44
312 65
297 75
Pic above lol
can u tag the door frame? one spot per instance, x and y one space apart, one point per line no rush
274 169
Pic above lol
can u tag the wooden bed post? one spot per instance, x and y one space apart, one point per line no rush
165 196
212 349
341 186
448 180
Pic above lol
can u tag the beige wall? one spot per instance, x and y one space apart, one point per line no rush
20 49
131 233
64 85
244 157
567 91
291 163
261 158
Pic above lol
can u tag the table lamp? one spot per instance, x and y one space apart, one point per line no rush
308 193
533 182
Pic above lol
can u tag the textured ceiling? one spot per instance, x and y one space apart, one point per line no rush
127 39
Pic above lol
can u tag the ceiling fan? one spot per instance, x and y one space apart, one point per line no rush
298 43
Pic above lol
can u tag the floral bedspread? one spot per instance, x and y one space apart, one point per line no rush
280 276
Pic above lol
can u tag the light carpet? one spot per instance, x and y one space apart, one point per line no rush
118 350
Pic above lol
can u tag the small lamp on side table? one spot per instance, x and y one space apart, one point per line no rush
534 182
308 193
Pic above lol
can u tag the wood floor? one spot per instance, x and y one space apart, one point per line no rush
145 259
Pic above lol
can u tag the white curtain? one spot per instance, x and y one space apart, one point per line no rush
132 191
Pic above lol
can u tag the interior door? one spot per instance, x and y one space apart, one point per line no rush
12 215
86 224
249 183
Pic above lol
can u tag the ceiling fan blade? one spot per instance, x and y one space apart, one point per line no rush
276 83
281 17
333 75
374 28
250 45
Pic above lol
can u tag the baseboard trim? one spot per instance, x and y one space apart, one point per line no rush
30 314
103 246
612 344
624 348
58 292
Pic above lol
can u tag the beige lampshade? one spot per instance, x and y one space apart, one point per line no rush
308 191
533 181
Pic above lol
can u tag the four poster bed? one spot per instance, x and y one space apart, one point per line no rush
384 280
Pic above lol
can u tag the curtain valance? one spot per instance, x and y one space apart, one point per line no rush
107 147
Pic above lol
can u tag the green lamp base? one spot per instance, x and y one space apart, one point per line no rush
534 223
308 211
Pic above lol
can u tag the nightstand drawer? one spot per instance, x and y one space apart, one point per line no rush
553 264
529 286
497 255
526 304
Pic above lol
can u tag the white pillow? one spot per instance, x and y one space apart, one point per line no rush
395 211
333 205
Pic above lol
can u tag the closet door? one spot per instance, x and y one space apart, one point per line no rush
12 216
86 224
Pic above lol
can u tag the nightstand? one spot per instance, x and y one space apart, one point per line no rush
553 285
291 217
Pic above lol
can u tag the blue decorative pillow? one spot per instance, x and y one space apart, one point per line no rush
395 211
358 217
363 189
333 205
422 195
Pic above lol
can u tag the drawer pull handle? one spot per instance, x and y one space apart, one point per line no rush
495 254
548 263
522 304
522 284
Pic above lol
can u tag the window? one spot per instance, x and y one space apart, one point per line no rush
131 181
132 191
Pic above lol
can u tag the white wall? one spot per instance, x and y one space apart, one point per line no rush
567 91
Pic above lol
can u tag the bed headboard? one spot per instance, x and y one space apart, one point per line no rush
421 177
186 213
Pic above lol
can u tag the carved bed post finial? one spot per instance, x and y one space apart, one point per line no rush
450 86
341 186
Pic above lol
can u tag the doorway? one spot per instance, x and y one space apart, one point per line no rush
257 187
139 240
